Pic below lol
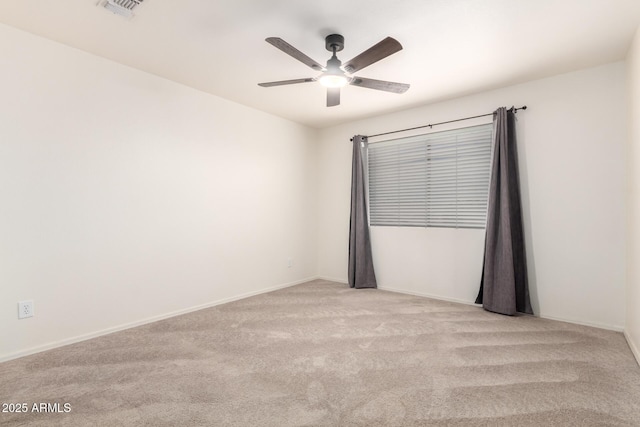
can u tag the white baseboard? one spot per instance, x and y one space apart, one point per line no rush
633 347
583 323
426 295
542 316
333 279
84 337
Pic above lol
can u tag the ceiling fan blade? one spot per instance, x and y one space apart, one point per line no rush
287 82
292 51
333 96
380 85
375 53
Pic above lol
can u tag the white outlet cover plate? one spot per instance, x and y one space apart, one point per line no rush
25 309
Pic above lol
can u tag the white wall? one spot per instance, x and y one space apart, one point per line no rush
126 197
571 147
632 326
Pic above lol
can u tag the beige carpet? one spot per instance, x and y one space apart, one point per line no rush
321 354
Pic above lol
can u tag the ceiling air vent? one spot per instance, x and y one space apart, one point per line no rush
121 7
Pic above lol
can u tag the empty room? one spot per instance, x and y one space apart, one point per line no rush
329 213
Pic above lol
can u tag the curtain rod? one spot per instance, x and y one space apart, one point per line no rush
514 109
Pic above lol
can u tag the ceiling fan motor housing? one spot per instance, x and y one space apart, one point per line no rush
333 66
334 41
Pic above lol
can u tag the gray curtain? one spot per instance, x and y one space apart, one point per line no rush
361 274
503 286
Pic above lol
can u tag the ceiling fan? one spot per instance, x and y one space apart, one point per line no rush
336 75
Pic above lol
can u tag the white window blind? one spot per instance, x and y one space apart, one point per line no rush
439 179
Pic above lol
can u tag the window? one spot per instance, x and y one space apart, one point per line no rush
439 179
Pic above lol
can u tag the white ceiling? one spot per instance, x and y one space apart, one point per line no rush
451 47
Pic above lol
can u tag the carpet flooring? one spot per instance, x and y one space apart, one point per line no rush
321 354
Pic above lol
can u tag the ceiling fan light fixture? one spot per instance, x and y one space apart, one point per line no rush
333 80
334 76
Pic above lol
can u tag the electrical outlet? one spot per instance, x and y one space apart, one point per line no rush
25 309
289 262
